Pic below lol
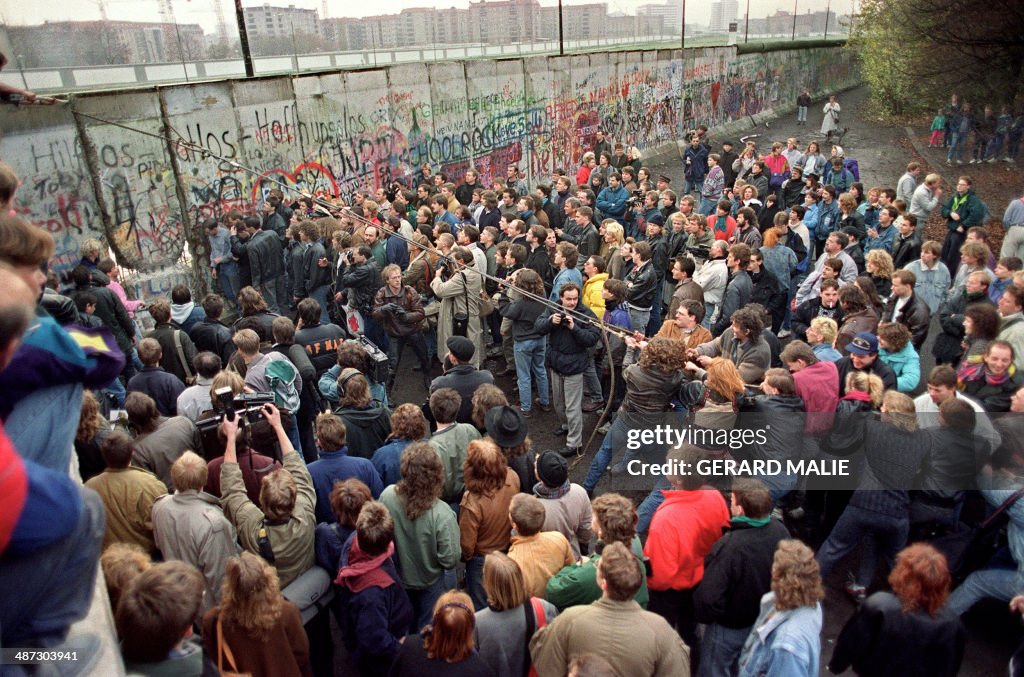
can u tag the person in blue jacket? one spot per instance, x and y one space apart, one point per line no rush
695 165
611 201
377 614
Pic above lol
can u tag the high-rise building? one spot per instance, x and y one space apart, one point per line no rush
280 22
723 12
671 14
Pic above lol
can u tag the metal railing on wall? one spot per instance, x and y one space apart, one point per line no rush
663 26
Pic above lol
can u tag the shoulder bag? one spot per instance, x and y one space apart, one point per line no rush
224 651
460 321
190 378
535 620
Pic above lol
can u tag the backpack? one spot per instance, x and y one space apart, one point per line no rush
853 166
282 375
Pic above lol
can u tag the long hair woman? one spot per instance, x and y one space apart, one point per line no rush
712 402
420 270
612 238
909 631
445 647
981 325
254 629
92 428
408 425
878 266
483 518
426 531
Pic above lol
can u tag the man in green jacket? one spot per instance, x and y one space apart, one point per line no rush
281 528
633 641
964 209
614 522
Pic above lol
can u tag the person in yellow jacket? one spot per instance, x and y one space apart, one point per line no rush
594 270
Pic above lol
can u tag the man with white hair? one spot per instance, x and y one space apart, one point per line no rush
925 199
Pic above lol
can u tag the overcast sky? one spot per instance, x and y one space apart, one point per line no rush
202 11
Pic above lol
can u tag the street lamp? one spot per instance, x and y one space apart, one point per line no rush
295 49
747 23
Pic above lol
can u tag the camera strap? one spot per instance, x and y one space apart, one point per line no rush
263 543
465 291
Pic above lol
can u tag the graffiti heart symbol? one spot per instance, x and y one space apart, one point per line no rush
309 177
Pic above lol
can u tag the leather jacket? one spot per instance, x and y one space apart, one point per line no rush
644 283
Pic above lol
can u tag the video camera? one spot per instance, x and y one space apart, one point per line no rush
391 192
379 365
637 197
228 405
699 252
445 267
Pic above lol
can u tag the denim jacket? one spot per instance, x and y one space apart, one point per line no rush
784 643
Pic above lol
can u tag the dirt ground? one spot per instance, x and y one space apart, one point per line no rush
882 152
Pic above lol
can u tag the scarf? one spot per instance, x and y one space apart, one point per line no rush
544 491
958 202
975 371
364 571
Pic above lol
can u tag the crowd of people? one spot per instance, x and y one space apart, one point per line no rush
247 465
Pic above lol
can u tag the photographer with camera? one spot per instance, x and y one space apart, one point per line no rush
641 208
280 528
399 309
698 238
360 280
256 444
458 287
713 278
567 357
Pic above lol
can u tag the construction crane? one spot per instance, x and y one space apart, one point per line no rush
102 5
167 14
166 10
222 22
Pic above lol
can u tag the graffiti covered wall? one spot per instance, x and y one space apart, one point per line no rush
228 143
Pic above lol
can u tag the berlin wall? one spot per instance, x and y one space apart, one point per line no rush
334 133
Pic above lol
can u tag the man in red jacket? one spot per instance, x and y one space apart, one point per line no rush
683 529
